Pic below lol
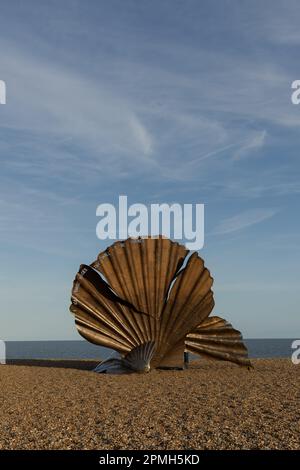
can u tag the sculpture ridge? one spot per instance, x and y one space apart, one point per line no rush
150 301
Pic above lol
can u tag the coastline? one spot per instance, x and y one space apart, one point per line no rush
212 405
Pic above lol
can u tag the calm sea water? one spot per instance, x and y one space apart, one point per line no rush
84 350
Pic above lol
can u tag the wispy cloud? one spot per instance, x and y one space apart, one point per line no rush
243 220
153 103
48 104
251 145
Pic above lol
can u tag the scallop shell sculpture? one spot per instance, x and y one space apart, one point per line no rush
150 301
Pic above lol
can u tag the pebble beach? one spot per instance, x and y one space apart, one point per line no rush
212 405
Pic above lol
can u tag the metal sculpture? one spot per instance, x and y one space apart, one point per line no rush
150 301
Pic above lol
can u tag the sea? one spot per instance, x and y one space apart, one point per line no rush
258 348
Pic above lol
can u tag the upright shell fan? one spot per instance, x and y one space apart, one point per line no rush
150 302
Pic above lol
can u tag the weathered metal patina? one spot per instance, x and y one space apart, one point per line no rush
150 301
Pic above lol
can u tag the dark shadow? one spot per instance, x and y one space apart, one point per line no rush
57 363
104 288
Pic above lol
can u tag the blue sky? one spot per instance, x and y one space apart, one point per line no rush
164 101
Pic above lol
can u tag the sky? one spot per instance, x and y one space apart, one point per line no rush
163 101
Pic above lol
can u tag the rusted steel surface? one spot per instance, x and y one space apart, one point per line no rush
147 290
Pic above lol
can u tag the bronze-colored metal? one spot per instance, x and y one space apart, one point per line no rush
215 338
148 291
137 360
